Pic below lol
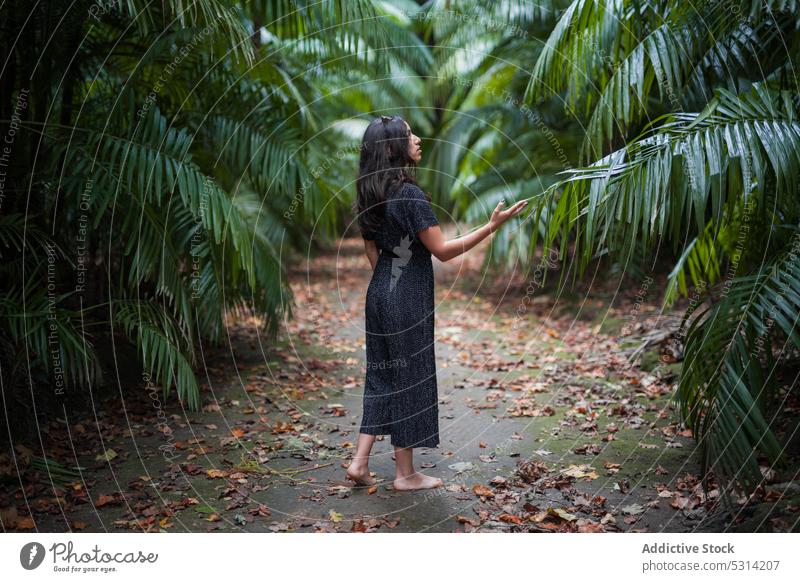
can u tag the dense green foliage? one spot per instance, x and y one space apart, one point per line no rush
692 129
162 169
168 158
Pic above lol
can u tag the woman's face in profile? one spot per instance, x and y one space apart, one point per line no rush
414 146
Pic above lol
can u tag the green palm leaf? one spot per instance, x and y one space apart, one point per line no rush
664 182
728 375
163 348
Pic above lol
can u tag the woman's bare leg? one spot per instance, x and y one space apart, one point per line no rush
358 470
406 477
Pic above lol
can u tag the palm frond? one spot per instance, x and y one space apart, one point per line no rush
163 348
663 183
573 55
216 16
728 375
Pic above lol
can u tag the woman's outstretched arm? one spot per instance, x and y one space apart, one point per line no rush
444 249
372 252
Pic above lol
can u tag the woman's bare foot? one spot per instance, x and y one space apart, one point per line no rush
359 474
417 480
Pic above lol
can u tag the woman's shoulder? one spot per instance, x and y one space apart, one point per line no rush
411 190
402 191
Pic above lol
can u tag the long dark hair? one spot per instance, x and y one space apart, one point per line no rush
384 165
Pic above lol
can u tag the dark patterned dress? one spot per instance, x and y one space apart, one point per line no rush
400 391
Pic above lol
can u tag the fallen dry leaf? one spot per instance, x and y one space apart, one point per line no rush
589 526
106 500
608 518
482 491
633 509
109 455
472 522
565 515
509 518
580 472
25 523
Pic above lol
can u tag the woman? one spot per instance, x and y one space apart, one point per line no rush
400 234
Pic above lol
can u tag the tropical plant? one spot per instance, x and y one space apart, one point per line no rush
461 90
692 113
159 149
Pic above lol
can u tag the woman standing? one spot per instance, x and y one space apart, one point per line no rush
400 233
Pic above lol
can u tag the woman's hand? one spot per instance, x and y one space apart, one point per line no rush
444 249
499 216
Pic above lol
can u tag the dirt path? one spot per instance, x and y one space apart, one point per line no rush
544 426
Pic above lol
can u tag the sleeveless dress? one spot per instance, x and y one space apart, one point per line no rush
400 390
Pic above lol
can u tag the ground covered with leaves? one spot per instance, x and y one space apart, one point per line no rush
556 414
